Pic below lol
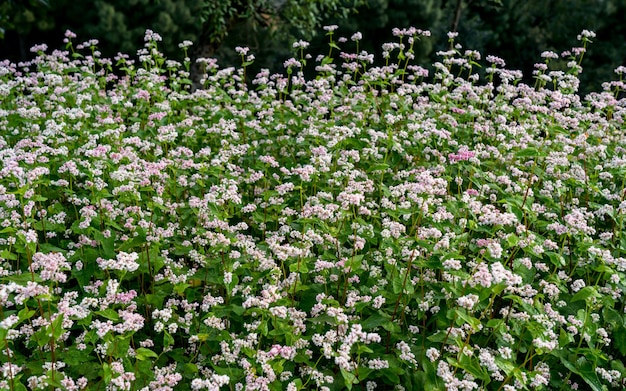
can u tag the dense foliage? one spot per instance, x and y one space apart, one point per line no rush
119 25
368 228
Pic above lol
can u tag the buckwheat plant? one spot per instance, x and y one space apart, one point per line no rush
370 228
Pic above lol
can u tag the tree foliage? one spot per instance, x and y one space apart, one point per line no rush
520 30
20 15
300 18
516 30
119 25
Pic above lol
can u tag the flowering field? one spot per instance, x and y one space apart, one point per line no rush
371 228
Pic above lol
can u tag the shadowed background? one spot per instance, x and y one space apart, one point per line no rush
516 30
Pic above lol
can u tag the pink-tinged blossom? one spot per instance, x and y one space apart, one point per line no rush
558 228
468 301
577 285
213 383
586 34
300 44
490 215
32 289
122 380
461 156
405 353
452 264
9 322
501 274
577 221
143 94
131 321
488 361
51 266
392 229
482 276
30 236
165 378
497 61
123 261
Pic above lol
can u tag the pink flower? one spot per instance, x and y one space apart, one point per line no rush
123 261
51 265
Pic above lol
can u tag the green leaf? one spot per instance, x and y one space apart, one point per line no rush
107 373
396 284
134 243
512 240
565 338
298 268
355 262
390 375
527 152
363 349
584 369
364 373
507 366
119 349
392 327
155 300
472 366
556 259
179 288
612 317
168 340
178 355
464 317
6 254
619 339
618 365
236 309
24 314
438 337
327 60
325 319
113 224
18 386
88 257
264 328
190 370
585 293
24 278
202 337
379 167
374 321
494 323
143 353
109 314
349 378
55 329
78 358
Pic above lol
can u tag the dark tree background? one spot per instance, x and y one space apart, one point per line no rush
516 30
